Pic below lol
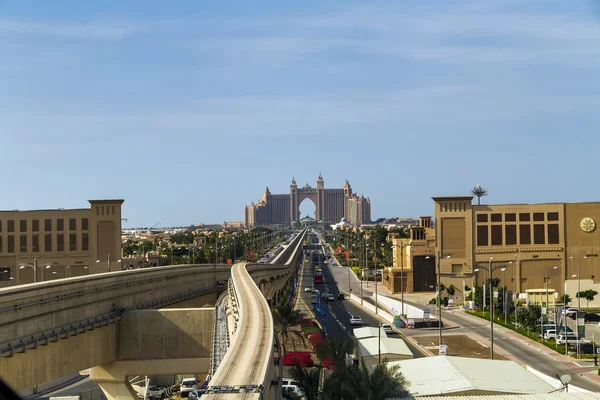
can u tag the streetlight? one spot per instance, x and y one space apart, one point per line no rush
58 273
547 303
68 268
34 267
439 293
491 271
119 260
504 295
578 282
402 247
515 287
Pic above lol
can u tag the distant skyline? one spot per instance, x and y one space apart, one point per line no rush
188 110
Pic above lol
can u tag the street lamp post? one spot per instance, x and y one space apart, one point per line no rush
439 293
402 247
108 261
34 267
504 308
547 303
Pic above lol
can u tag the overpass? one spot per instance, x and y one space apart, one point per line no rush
57 328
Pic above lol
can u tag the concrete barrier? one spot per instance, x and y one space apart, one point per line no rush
368 306
396 306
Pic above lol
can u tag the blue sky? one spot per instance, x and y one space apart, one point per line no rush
188 109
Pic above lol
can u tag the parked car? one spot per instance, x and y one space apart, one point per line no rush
569 310
154 392
340 296
330 297
187 385
550 334
324 296
355 320
591 317
387 328
196 394
570 337
547 327
307 289
584 347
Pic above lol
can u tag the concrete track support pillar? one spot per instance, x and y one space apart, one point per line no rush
114 385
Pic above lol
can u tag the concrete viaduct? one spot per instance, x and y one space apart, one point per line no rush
137 322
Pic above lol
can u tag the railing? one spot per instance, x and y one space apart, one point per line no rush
220 337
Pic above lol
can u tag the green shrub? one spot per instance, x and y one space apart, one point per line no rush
433 301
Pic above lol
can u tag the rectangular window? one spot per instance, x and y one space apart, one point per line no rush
11 226
112 210
482 235
97 210
524 217
85 241
84 224
510 232
72 224
47 225
553 216
23 225
538 217
510 217
497 217
0 243
11 243
35 225
48 242
0 226
23 243
60 224
496 235
72 242
482 218
5 274
60 242
35 243
553 234
525 234
539 236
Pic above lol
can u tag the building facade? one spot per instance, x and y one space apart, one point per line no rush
331 205
555 244
413 267
62 243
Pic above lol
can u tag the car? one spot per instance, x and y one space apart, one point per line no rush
330 297
584 347
570 337
387 328
307 289
155 392
569 310
355 320
550 334
340 296
196 394
187 385
591 317
324 296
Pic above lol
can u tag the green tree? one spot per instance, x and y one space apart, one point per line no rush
286 319
529 317
566 299
479 191
308 381
383 383
336 350
588 295
451 290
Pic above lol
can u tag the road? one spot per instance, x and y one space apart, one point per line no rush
337 321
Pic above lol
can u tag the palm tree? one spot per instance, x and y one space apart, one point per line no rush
286 319
479 191
308 381
383 383
336 350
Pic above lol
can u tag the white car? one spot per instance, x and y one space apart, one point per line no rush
307 289
355 320
187 385
570 310
387 328
571 338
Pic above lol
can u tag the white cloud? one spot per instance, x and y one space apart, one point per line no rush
89 30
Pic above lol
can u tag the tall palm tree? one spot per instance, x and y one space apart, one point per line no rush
286 319
479 191
383 383
336 350
308 380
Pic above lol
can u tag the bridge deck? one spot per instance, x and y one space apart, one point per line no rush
248 358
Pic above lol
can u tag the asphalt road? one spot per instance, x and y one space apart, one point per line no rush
337 321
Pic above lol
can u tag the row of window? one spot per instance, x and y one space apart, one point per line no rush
35 225
498 235
453 206
512 217
50 245
105 210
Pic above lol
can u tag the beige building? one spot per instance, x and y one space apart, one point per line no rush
413 260
63 243
555 243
